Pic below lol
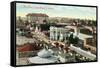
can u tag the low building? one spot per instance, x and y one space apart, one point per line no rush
85 39
28 50
82 52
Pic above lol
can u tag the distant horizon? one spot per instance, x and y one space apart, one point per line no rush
61 17
75 12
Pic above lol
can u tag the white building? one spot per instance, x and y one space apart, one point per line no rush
57 33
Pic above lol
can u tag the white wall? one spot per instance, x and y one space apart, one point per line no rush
5 34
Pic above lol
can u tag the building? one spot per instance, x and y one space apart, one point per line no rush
83 52
85 40
37 18
20 23
58 33
20 40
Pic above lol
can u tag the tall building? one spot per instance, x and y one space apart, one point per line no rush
37 18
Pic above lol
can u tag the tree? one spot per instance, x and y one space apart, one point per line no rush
94 23
71 39
76 40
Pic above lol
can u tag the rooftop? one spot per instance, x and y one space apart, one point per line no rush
37 15
20 40
84 36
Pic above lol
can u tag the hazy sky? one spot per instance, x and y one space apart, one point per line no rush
56 10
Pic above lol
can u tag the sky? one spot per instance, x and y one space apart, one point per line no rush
22 9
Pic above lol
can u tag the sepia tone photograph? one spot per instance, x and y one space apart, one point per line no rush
54 34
